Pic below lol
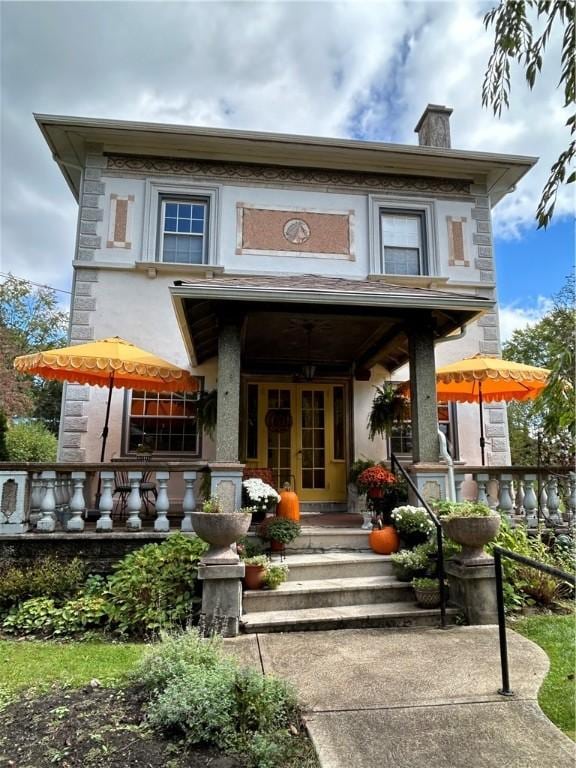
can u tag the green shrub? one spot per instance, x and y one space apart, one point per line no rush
279 529
35 616
31 442
198 704
275 575
198 692
173 656
49 576
155 587
448 509
521 582
3 429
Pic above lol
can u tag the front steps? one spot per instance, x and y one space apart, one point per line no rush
336 590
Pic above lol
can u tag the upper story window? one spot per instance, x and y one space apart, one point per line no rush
183 231
402 237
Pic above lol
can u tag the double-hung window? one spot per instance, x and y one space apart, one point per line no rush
183 228
401 434
402 238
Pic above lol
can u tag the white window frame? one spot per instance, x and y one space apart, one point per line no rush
379 204
159 189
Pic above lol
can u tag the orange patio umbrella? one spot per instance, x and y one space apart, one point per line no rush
111 362
480 379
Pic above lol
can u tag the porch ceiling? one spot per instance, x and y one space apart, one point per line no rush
335 324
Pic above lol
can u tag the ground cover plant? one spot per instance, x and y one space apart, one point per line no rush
557 636
181 703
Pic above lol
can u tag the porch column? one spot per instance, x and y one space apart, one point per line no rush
228 418
425 446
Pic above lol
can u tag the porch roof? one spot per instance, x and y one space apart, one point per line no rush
356 323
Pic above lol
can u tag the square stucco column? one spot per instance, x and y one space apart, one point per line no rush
425 447
228 418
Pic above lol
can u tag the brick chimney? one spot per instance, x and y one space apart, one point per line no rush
433 128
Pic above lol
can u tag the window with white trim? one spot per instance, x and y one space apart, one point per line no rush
402 239
401 434
164 422
183 230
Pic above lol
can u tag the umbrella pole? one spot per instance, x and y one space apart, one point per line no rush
482 441
104 438
105 428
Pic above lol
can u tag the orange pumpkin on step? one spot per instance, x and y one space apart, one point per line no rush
289 505
384 540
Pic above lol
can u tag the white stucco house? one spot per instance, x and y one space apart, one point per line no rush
292 273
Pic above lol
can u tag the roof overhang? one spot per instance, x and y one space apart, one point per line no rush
67 138
360 323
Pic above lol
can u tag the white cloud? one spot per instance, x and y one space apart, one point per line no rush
332 69
514 317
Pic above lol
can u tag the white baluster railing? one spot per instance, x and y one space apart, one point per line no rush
162 524
47 521
188 502
77 503
106 504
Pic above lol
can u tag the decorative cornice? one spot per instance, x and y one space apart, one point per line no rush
281 174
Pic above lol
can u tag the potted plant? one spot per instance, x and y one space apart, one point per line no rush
383 490
275 575
413 524
206 412
427 592
220 530
470 524
279 531
410 563
383 538
260 496
256 568
389 407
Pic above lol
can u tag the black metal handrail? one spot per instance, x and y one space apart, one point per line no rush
395 465
499 553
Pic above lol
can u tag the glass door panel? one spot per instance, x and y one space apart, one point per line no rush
313 439
279 423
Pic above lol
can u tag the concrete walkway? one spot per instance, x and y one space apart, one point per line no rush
381 698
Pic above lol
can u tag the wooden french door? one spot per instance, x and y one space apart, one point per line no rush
301 437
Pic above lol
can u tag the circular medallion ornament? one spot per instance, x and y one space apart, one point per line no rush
296 231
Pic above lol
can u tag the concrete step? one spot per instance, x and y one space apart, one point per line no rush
345 617
326 539
334 565
328 593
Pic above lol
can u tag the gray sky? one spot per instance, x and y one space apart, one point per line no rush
350 69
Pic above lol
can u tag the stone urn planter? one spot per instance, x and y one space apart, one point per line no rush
220 530
472 533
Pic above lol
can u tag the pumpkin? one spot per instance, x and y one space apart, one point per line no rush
384 540
288 506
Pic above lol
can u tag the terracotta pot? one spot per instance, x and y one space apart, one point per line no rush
220 530
472 533
277 546
375 493
254 576
384 540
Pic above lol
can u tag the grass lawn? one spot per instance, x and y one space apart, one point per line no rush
557 636
35 664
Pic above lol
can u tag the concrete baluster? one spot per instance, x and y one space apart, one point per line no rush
553 501
543 497
77 503
36 494
162 503
47 522
571 500
482 483
530 501
505 505
459 482
188 502
104 522
134 502
519 497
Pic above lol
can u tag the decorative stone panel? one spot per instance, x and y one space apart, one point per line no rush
120 221
277 232
14 506
456 242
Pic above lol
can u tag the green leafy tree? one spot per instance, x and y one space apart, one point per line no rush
3 428
30 320
515 40
31 442
546 427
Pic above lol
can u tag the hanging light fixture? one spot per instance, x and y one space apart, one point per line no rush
308 370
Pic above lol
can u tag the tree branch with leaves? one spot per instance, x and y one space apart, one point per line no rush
516 41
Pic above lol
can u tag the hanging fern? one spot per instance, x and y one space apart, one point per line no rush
206 412
389 407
